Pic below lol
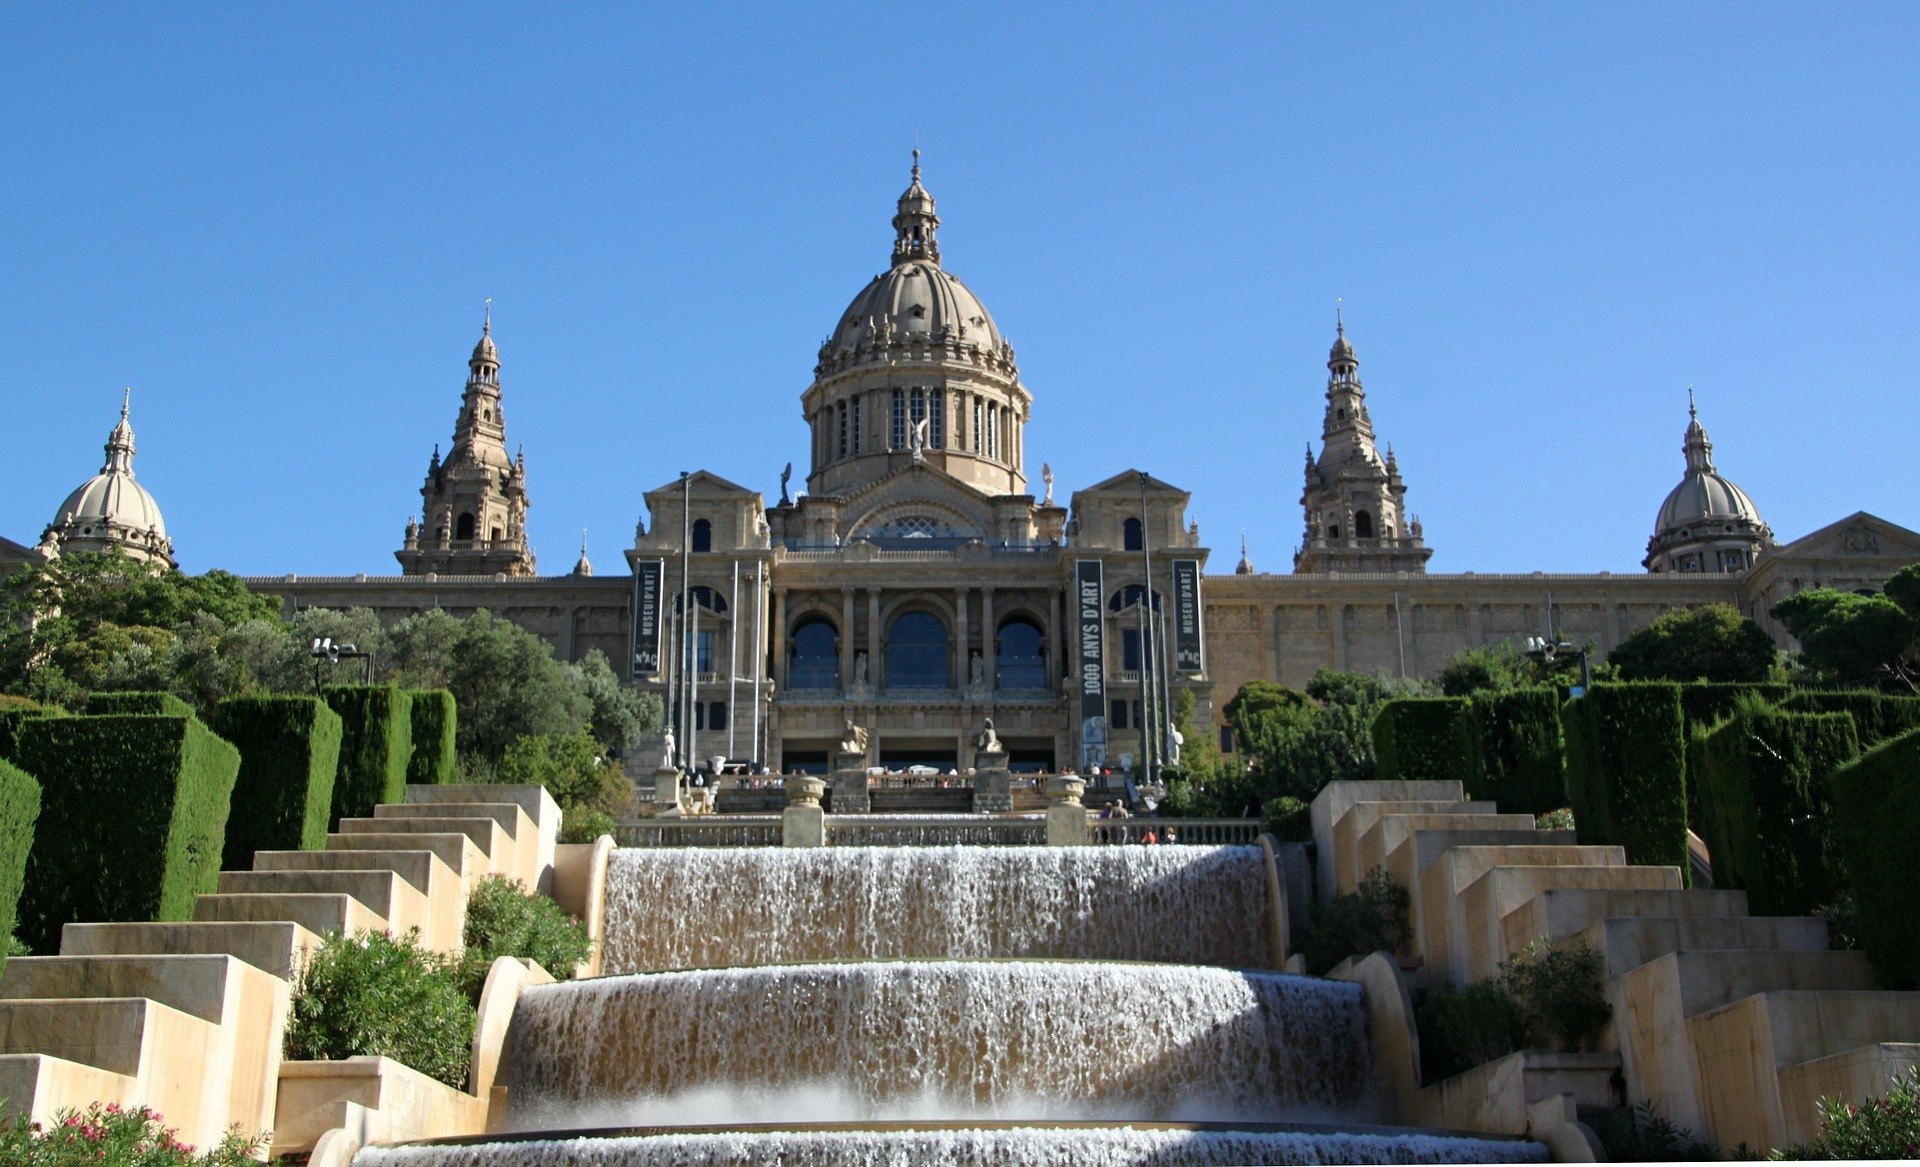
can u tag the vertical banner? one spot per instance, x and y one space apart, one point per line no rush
1089 608
1186 616
647 575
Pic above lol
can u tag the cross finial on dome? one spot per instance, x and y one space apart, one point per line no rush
126 402
1691 411
486 323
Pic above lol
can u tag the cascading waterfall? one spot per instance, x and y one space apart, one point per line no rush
1002 1039
870 1006
724 908
1026 1146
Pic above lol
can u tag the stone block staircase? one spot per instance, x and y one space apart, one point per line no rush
1732 1024
189 1016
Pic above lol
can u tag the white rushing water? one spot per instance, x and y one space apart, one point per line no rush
1026 1146
727 907
1026 1040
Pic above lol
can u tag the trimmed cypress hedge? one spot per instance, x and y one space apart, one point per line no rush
137 701
1762 777
19 809
433 761
376 744
1876 716
13 716
1424 738
1627 770
133 812
289 755
1877 817
1517 751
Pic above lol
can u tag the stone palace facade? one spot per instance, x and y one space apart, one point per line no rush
920 584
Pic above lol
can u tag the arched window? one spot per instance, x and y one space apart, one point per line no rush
1132 536
705 597
702 535
813 660
463 527
1333 530
1362 525
1020 659
917 652
1129 596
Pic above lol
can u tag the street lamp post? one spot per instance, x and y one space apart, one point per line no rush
1149 707
687 651
323 648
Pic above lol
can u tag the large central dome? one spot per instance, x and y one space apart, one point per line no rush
916 371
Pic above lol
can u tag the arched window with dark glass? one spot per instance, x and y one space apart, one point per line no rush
917 652
1362 525
702 535
1129 597
813 656
703 596
463 527
1021 655
1132 535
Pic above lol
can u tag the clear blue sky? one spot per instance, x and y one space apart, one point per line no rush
278 223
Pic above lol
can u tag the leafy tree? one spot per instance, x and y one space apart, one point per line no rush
620 717
1713 642
589 786
1489 668
505 679
1855 639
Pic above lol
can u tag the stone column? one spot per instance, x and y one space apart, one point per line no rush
1066 818
873 638
846 638
987 636
850 784
778 640
992 783
803 823
1055 642
962 633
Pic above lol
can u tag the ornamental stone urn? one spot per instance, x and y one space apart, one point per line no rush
1066 818
803 823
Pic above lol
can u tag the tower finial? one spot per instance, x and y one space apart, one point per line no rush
486 325
1339 321
916 164
583 542
1691 411
126 402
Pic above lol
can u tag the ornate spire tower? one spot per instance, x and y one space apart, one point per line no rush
110 511
1706 523
1354 500
476 500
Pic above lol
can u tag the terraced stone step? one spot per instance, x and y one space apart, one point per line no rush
318 912
444 896
1476 943
1626 943
382 890
495 846
136 1037
1568 911
454 848
36 1087
273 946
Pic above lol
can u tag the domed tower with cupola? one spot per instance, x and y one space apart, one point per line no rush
916 371
475 513
1354 500
110 511
1706 523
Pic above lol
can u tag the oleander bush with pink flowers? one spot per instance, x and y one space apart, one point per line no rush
107 1133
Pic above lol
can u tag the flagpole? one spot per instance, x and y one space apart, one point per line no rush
733 661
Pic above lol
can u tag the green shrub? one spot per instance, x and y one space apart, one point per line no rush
1876 802
434 761
1373 918
19 810
133 814
1707 703
372 994
1886 1127
1424 738
137 701
1642 1134
1627 770
1876 716
1762 779
584 824
1287 819
289 755
1558 819
1558 991
107 1134
504 919
1516 737
1464 1027
376 747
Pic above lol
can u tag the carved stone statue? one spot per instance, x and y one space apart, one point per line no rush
785 477
987 741
853 739
639 529
1176 740
977 672
1046 476
917 439
666 746
860 669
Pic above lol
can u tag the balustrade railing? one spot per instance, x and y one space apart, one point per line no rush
933 831
701 831
1203 832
